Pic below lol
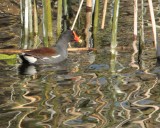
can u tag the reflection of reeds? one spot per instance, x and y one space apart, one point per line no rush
147 95
157 45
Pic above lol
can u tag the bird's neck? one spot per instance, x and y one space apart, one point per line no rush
62 43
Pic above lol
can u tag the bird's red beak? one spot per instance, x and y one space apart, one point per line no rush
76 37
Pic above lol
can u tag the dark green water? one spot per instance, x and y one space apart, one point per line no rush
118 89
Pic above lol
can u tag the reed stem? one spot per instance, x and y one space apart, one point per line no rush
65 14
35 22
49 21
96 14
80 6
154 27
22 4
88 22
59 18
142 21
135 19
115 24
26 24
45 24
30 24
104 14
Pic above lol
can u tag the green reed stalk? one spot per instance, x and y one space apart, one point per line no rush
115 24
96 14
45 23
65 14
49 20
35 22
65 6
59 18
22 4
95 22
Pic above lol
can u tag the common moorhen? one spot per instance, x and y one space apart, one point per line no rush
51 55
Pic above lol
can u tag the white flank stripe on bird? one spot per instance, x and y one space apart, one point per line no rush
30 59
45 58
56 56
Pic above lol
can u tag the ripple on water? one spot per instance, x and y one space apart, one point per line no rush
98 67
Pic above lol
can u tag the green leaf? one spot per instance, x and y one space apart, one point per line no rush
6 57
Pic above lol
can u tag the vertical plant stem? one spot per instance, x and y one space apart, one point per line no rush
96 12
79 18
135 18
111 15
30 23
80 6
88 22
45 24
142 21
65 6
35 20
26 24
65 14
22 10
104 13
95 22
93 5
59 18
157 45
115 24
49 20
22 22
